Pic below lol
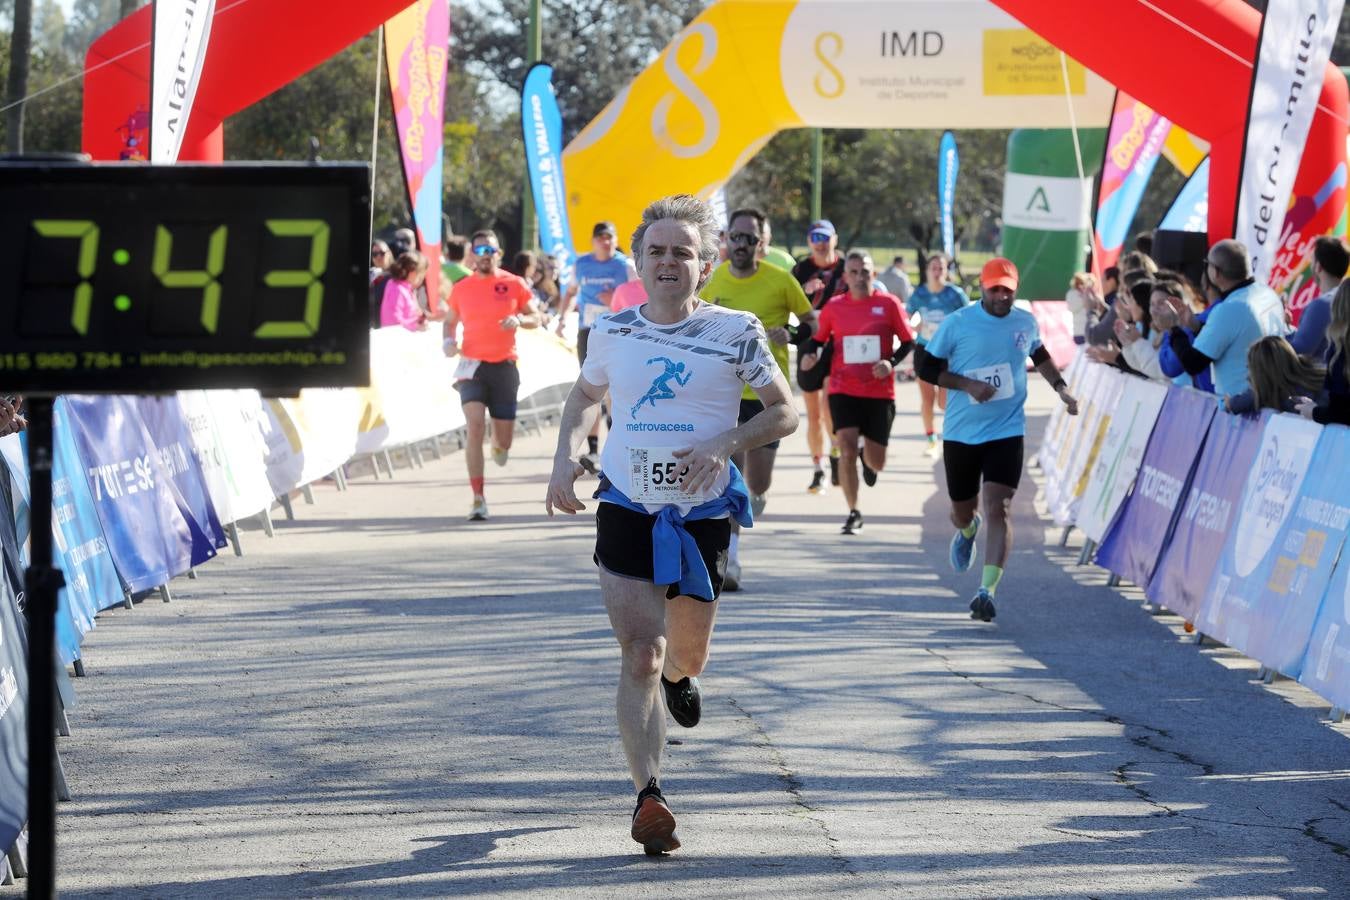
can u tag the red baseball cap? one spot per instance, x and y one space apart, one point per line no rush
999 272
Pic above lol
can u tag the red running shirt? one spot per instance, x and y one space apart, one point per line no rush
863 331
481 302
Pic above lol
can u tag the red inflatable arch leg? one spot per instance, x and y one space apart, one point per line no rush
1192 61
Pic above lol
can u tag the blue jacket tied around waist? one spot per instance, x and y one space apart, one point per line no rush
675 556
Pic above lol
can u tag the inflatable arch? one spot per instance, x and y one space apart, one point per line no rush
255 49
745 69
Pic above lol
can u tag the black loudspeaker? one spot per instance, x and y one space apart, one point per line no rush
1181 251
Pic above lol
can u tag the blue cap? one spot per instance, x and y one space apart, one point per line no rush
822 225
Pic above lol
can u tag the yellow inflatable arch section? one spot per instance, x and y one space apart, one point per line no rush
747 69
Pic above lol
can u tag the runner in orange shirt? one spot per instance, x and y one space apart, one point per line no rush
491 304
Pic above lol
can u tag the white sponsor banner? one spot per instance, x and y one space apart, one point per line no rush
1296 39
1120 456
311 435
927 64
1273 484
234 415
1047 202
182 28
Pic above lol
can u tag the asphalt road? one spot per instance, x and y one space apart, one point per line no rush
385 700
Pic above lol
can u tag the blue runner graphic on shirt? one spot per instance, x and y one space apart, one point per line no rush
661 389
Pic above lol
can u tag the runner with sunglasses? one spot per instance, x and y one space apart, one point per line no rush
774 297
821 275
491 304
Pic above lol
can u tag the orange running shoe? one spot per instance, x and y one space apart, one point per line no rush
653 823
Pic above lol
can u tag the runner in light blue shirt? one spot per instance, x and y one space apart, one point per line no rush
932 302
980 353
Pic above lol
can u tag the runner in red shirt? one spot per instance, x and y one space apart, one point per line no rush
863 327
491 304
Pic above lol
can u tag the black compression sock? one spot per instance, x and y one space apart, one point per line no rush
592 443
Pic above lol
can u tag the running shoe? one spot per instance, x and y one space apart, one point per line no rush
653 823
591 463
479 513
757 504
963 548
500 455
683 700
817 482
731 581
834 470
982 607
934 447
853 524
869 473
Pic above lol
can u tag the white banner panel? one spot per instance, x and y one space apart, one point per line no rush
1296 39
182 28
1047 202
1119 458
235 415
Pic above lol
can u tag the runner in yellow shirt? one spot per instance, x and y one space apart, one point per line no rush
775 297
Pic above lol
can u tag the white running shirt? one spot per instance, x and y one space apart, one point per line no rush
672 386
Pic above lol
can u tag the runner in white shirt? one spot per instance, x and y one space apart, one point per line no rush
675 368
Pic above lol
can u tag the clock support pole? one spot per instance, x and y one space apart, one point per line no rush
42 585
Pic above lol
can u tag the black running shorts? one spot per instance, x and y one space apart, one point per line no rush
623 545
750 409
872 416
494 385
998 461
583 342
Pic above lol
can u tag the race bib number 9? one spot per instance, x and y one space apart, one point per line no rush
655 476
862 348
999 377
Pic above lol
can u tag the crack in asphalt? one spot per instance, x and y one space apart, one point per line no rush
1146 741
793 785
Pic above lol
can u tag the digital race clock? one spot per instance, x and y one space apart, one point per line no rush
134 278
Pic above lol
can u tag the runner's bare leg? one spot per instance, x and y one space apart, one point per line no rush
475 415
689 628
997 523
637 612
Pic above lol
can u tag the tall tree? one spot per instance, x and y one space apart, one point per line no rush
16 84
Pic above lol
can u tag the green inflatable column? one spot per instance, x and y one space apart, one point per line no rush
1047 209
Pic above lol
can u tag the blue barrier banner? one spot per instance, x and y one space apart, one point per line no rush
1326 666
90 574
541 121
1190 209
1208 515
949 164
13 716
1276 564
147 534
1144 525
163 417
10 554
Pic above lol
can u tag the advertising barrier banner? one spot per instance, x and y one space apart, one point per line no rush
1118 462
92 584
150 539
1094 418
13 718
1326 666
235 415
1276 564
311 435
1188 562
168 431
1135 541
